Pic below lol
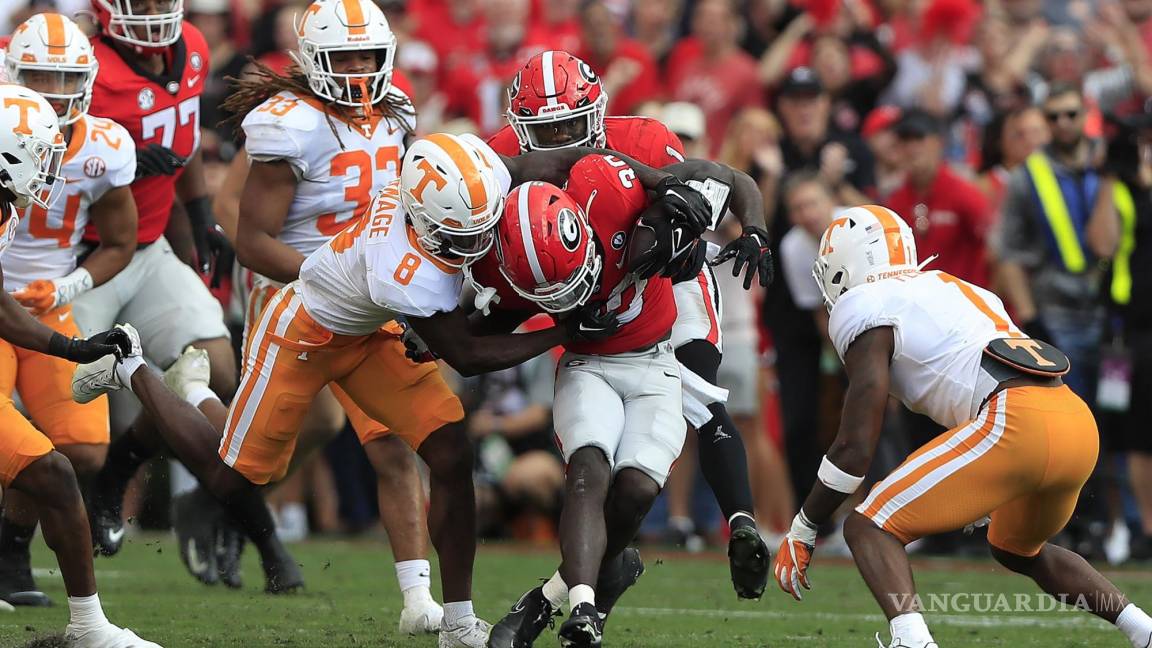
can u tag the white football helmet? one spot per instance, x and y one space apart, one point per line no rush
50 54
31 147
863 245
147 25
329 26
452 197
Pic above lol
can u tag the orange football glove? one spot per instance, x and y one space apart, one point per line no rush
791 568
38 297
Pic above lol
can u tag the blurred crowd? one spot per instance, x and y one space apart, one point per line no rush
1011 134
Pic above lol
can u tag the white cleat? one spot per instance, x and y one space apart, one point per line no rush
107 636
191 368
900 643
93 380
424 617
473 634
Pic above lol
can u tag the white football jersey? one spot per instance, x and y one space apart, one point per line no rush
101 156
341 165
375 270
941 326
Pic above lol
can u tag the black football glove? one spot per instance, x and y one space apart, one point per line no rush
154 160
207 236
81 351
688 264
684 205
751 253
414 347
592 322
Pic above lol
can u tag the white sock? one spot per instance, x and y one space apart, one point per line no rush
198 393
415 581
556 591
910 627
1135 624
126 367
457 613
581 594
86 612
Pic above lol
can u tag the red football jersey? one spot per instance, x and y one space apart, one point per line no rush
643 139
161 110
646 308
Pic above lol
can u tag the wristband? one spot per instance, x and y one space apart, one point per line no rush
69 287
837 479
803 529
58 345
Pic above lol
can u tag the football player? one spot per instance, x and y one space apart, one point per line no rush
557 101
1020 447
32 150
153 67
51 55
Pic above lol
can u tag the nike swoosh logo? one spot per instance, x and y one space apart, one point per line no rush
194 562
64 316
192 81
87 384
115 536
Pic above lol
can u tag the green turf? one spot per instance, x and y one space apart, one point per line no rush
681 601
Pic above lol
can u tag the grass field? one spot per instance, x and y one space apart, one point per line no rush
352 600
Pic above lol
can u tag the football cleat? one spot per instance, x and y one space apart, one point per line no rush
105 517
583 629
749 561
525 622
282 576
473 634
424 617
93 380
190 369
229 547
899 643
196 518
17 587
106 636
612 585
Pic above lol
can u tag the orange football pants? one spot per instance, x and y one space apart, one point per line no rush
367 429
290 357
1023 461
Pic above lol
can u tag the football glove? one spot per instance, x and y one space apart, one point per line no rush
794 555
154 160
750 254
688 264
684 205
415 348
211 244
41 296
592 322
82 351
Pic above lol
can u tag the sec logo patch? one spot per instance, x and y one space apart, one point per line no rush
94 167
146 99
618 240
195 61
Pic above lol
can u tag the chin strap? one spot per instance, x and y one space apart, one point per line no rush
930 259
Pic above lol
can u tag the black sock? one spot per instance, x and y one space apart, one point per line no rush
15 539
725 464
125 456
248 510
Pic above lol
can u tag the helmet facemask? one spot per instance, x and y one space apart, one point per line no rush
41 187
455 245
70 87
358 90
582 126
129 23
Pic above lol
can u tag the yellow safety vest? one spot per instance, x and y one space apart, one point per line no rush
1056 211
1121 269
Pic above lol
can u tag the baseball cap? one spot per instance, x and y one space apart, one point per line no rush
880 119
683 118
918 123
801 81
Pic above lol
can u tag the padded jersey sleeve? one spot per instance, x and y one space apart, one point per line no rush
857 311
279 129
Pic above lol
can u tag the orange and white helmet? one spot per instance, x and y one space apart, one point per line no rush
863 245
50 54
31 147
147 25
329 26
452 196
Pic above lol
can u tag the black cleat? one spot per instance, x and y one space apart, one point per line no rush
17 587
197 518
229 546
282 576
749 561
611 586
525 622
583 629
106 520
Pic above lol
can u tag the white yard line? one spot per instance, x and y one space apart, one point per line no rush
1071 619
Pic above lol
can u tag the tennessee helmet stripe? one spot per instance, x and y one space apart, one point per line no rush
355 14
526 235
896 255
57 37
549 77
477 196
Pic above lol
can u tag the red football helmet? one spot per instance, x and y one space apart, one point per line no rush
545 247
146 25
556 101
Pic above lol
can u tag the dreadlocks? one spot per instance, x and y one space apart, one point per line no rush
265 82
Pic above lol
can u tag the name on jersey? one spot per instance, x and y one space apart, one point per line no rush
385 211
